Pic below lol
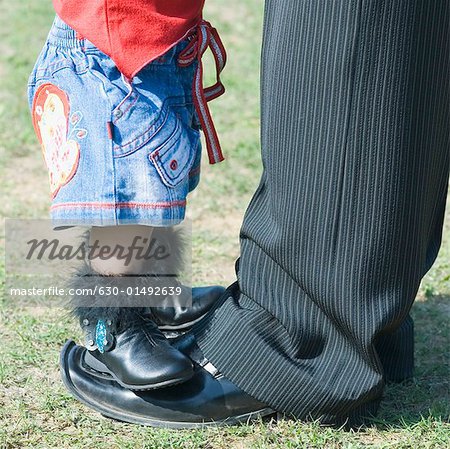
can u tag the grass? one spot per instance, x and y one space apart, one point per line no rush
36 411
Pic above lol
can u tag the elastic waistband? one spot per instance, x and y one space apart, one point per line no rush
63 36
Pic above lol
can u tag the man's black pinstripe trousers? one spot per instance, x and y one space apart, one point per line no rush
349 211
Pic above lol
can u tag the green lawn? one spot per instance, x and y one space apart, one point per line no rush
36 411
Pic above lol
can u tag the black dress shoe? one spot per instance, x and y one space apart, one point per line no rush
205 400
173 317
136 355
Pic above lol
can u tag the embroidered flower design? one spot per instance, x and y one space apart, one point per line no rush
50 120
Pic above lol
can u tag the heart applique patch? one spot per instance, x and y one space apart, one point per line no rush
51 123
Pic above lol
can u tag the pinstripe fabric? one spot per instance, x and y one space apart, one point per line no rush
348 215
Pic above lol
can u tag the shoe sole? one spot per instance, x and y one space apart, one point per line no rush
142 420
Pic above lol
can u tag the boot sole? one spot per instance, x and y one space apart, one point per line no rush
66 355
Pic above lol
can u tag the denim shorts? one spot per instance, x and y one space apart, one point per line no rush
116 151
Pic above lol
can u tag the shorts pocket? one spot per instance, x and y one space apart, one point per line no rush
134 117
135 121
173 151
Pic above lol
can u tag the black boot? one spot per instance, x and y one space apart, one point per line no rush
125 342
173 315
130 348
174 319
122 341
109 342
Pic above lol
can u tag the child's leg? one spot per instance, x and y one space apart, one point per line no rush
117 238
172 313
119 153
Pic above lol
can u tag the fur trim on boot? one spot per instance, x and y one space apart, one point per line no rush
119 301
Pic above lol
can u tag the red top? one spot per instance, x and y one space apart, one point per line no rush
132 33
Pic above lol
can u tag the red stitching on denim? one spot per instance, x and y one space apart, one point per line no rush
131 104
129 205
128 107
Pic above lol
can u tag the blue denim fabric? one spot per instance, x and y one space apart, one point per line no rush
137 143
